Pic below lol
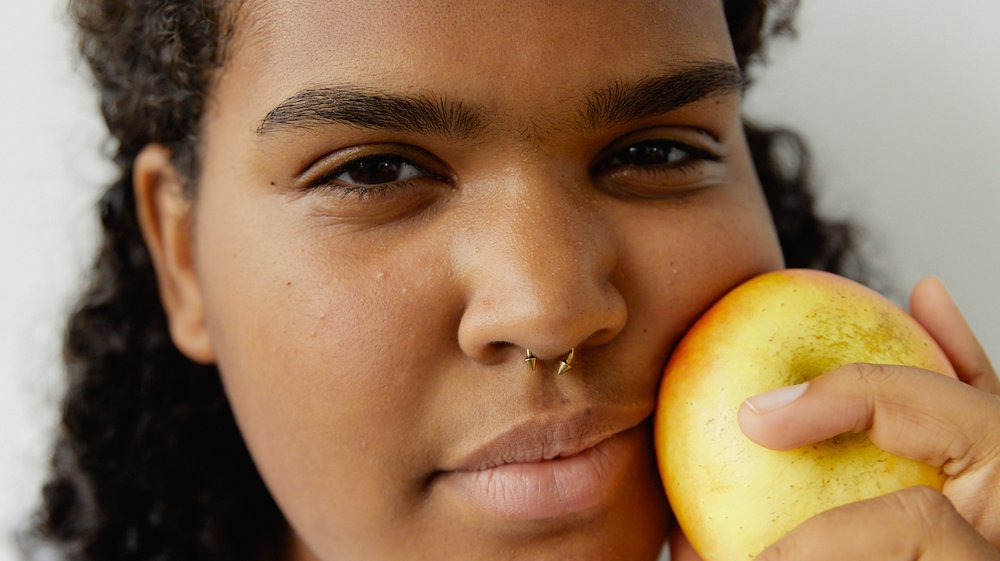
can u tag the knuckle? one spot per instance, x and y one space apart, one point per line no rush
871 374
992 425
925 506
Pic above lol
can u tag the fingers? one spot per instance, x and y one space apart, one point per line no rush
933 307
910 412
950 424
916 524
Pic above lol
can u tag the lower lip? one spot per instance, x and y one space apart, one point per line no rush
551 488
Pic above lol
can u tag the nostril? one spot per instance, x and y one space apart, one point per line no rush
499 351
499 347
602 336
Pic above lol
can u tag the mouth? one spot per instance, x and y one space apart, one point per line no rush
549 467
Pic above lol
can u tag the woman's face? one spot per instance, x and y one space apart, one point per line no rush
398 198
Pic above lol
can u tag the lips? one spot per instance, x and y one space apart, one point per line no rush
549 466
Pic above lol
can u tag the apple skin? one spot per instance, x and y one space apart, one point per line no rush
733 497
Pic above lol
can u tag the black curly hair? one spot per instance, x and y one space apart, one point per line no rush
149 463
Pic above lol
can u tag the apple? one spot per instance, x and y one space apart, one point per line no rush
732 497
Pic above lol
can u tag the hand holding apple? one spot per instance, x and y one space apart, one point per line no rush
734 512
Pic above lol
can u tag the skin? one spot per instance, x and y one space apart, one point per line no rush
368 343
951 424
754 339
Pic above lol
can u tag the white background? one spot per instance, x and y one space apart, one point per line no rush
897 97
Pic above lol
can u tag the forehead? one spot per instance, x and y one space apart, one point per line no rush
527 62
525 18
450 40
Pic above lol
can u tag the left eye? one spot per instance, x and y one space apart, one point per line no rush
653 153
376 170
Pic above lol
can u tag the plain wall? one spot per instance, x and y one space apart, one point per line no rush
898 99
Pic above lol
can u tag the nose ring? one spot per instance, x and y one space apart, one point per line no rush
564 364
530 358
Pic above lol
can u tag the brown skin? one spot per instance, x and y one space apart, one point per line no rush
950 424
368 343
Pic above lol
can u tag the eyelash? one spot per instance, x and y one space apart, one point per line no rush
691 159
331 180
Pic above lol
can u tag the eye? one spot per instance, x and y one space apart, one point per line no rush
376 170
653 153
383 170
657 167
375 184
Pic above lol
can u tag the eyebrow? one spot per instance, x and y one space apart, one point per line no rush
621 101
313 108
624 101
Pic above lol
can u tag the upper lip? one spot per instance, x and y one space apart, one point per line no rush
551 436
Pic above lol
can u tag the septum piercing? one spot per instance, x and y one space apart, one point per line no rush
564 364
530 358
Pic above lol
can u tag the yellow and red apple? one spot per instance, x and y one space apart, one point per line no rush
732 497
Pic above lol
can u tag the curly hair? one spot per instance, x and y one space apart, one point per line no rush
149 463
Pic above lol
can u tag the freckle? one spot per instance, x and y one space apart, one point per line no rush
273 184
288 283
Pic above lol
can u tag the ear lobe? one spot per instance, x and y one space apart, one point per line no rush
165 218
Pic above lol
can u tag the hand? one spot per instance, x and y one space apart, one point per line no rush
947 423
916 524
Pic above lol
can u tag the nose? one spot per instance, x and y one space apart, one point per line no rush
537 266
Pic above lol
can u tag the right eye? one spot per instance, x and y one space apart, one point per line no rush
368 171
379 169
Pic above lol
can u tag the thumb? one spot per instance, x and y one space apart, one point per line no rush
916 524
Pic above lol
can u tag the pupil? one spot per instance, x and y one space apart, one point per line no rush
649 153
372 171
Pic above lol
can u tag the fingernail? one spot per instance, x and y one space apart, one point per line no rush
776 399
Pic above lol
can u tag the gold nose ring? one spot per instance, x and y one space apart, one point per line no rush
530 358
566 363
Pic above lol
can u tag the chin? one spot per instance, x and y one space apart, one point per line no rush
615 541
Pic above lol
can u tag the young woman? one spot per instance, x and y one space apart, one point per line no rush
396 280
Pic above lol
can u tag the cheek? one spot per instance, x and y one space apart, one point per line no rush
679 257
678 261
318 347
